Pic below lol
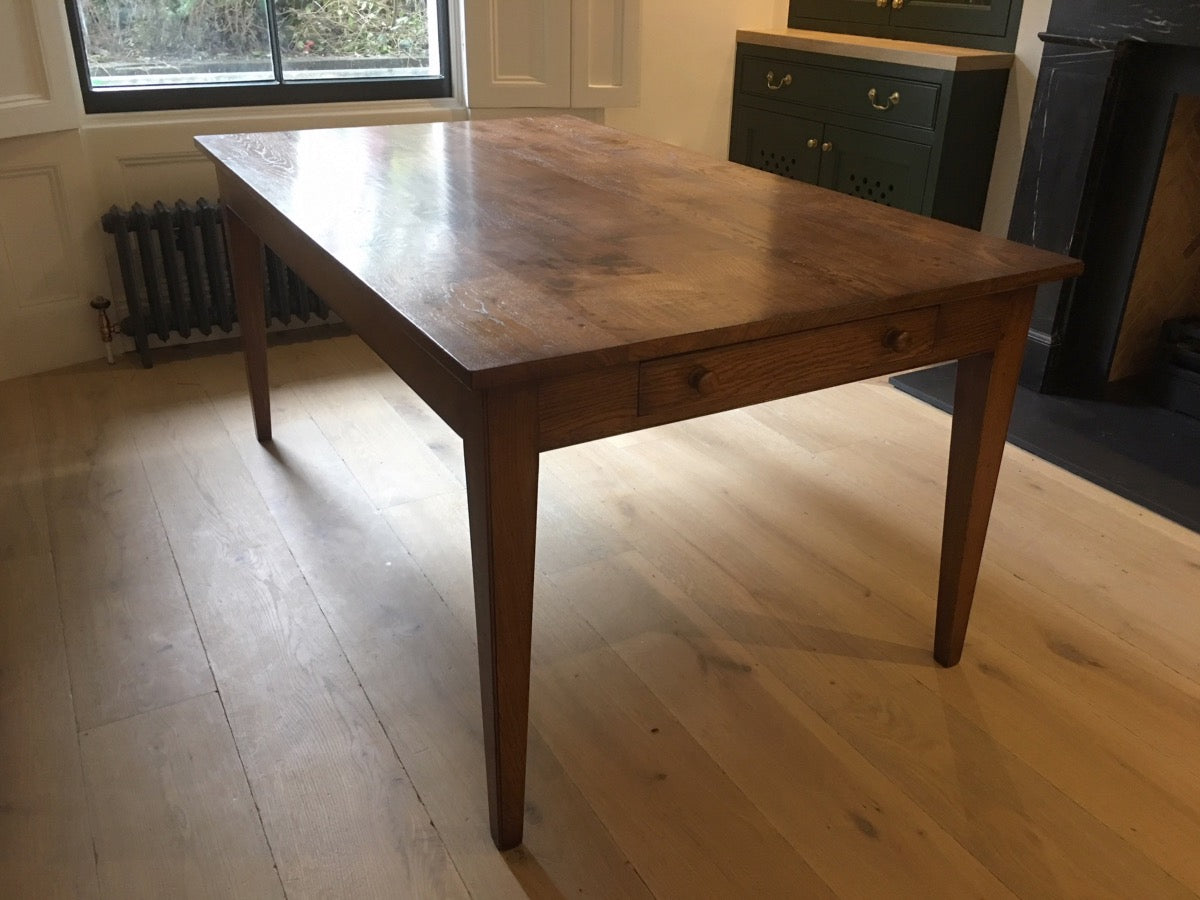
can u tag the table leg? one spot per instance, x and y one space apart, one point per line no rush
502 479
983 401
246 263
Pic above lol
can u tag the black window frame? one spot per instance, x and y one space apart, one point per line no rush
154 98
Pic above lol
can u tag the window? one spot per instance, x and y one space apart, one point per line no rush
187 54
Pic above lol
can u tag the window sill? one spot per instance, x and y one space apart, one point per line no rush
273 118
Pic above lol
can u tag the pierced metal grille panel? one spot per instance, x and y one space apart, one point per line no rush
780 161
871 186
877 168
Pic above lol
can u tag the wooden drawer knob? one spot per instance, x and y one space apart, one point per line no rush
897 339
703 381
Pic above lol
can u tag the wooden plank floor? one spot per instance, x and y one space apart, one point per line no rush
239 671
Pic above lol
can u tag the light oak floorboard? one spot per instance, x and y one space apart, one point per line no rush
839 810
171 812
385 454
746 572
1113 777
1130 585
337 806
45 841
131 640
632 759
418 666
732 694
23 527
1148 703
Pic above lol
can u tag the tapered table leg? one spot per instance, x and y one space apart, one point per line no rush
246 262
983 401
502 480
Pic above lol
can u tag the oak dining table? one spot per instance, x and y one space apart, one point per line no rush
541 282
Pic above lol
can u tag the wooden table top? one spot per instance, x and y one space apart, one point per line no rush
522 248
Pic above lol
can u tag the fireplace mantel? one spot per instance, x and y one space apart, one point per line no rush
1113 21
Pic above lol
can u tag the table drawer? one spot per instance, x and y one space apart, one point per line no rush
757 371
906 102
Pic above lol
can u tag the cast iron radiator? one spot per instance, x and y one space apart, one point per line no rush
176 275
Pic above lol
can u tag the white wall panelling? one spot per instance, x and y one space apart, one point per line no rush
51 254
35 238
552 53
37 86
604 52
518 52
168 177
145 157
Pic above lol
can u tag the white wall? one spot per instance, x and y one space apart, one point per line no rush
1013 127
687 83
687 69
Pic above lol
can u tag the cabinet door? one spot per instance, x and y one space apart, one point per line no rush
960 16
870 11
877 168
785 145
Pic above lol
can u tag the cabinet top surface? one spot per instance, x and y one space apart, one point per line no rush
523 248
909 53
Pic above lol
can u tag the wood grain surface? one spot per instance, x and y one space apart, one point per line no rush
516 249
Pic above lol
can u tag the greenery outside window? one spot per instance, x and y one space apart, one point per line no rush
188 54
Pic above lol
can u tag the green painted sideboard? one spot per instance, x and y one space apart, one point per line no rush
908 125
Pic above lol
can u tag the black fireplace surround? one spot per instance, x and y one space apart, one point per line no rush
1110 74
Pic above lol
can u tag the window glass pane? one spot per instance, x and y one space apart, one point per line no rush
329 39
147 43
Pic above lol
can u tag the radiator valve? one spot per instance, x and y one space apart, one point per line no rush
101 305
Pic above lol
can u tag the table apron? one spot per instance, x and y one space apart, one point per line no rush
618 399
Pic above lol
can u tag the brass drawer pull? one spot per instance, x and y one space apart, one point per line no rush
827 146
703 381
773 85
897 4
811 143
893 100
898 339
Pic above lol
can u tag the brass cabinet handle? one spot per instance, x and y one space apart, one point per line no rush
882 4
811 143
773 85
702 380
897 4
893 100
826 147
